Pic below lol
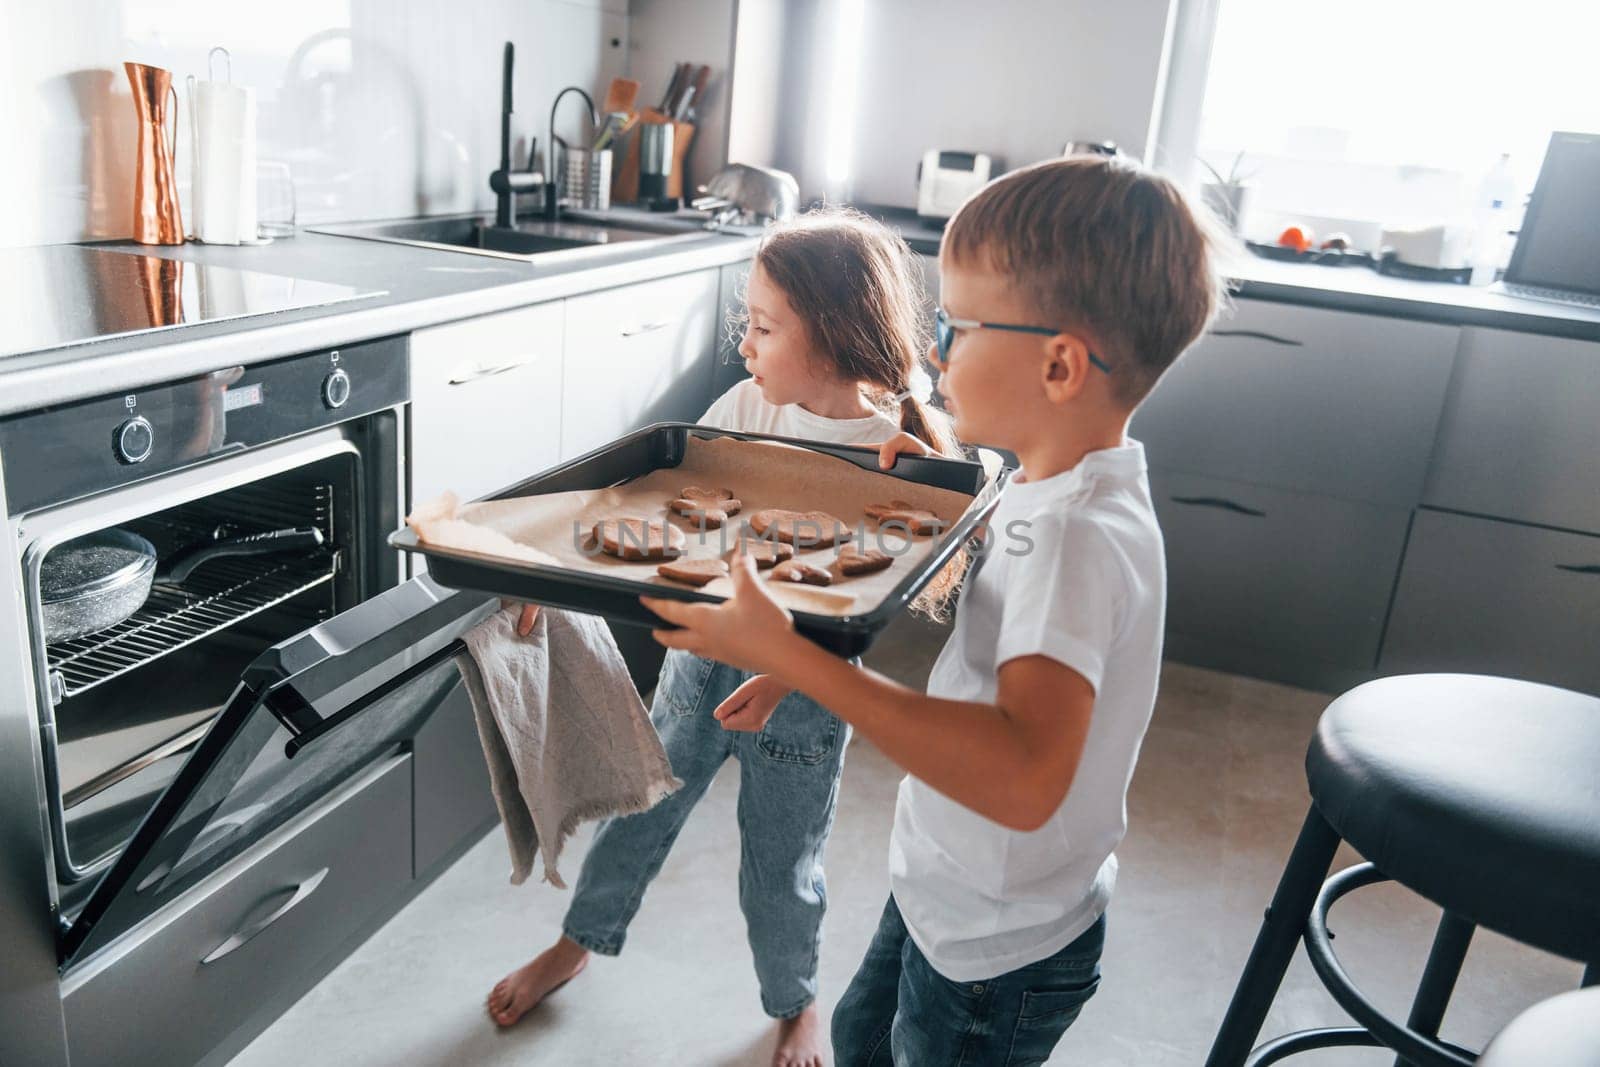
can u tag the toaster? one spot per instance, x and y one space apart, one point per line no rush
945 179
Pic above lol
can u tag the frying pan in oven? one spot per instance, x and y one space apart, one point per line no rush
96 581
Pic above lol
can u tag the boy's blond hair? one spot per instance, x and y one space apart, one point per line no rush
1104 248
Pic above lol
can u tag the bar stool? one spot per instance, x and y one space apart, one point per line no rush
1482 795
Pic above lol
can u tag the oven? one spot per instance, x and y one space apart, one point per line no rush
284 659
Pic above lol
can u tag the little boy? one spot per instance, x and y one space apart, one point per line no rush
1069 287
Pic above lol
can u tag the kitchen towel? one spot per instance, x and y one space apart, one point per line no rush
566 737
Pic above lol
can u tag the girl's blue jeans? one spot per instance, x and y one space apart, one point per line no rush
788 788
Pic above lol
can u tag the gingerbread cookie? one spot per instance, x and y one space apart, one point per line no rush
802 529
709 507
765 553
853 562
695 572
916 520
639 539
792 570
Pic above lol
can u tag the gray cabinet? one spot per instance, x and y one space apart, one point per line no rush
1520 438
1298 398
1494 597
251 939
1275 582
635 355
486 401
454 804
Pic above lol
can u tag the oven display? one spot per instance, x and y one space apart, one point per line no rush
245 396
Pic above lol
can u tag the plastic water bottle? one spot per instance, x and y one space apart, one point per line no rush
1492 217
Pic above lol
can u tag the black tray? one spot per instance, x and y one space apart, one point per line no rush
664 445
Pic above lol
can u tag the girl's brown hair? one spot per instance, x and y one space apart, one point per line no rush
858 289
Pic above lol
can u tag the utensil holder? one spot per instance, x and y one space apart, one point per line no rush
625 189
586 178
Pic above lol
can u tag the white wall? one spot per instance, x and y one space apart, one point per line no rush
382 108
1015 78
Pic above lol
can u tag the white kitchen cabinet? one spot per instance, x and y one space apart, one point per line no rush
486 401
1329 402
635 355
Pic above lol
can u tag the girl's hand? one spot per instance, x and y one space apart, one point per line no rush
748 630
750 706
525 621
901 444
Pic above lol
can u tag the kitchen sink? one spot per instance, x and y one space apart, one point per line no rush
530 240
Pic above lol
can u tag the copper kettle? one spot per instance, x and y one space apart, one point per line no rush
156 220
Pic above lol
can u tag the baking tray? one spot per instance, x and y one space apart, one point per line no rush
663 445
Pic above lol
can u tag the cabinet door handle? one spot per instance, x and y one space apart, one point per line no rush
1220 503
1579 568
646 327
472 374
1259 335
245 936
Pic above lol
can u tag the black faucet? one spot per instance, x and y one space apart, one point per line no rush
552 186
505 182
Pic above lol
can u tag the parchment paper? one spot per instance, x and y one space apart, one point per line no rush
762 474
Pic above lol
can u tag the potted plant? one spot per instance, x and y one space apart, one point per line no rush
1228 195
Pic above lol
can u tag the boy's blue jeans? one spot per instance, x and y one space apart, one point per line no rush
899 1010
788 787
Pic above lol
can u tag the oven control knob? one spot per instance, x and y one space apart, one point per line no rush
336 389
134 440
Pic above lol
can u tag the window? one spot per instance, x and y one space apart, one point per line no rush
1361 113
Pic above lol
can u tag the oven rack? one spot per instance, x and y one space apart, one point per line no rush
220 594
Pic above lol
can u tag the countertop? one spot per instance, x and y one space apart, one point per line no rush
1347 289
424 286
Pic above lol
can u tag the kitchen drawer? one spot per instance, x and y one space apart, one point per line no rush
1521 431
1492 597
1280 573
152 998
1324 402
453 799
486 401
636 355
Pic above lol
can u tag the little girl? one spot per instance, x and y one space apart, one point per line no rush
833 344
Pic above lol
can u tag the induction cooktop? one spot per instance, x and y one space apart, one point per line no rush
54 296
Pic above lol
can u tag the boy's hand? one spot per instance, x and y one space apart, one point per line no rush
748 630
901 444
525 621
750 706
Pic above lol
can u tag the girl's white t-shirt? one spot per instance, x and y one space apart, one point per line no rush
744 409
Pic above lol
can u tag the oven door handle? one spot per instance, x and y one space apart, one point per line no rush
322 678
243 937
306 724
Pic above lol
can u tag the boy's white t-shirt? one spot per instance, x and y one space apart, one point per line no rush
743 408
1075 571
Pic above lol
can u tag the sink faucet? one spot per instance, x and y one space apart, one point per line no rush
552 186
505 182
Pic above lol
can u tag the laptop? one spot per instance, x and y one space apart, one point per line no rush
1557 256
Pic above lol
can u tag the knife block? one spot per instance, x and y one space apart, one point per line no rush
625 182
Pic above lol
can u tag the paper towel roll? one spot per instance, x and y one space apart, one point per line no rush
224 133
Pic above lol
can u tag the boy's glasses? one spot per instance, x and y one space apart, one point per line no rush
945 327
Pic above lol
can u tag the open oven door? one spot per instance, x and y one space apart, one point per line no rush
305 716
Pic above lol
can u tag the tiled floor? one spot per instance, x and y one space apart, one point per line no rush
1215 804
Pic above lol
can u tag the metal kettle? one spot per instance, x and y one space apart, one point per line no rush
156 220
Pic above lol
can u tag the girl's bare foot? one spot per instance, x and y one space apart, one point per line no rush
799 1040
520 991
